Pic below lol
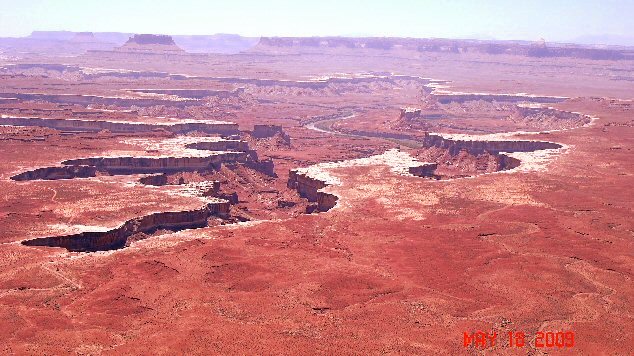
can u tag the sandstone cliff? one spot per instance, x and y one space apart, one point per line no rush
476 147
222 128
117 238
310 188
52 173
133 165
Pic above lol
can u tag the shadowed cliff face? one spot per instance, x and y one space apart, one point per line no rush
53 173
79 99
117 238
310 188
114 126
495 147
89 167
461 98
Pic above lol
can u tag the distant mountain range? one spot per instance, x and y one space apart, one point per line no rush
419 46
75 43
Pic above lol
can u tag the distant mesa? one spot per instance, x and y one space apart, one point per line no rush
146 43
152 40
48 41
84 37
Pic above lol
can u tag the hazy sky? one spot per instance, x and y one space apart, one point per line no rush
500 19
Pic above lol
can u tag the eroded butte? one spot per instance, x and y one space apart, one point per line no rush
313 196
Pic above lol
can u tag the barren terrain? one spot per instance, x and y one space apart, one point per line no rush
315 197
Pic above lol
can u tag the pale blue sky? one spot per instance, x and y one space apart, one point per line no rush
501 19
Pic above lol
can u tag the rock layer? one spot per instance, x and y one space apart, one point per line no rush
426 170
122 101
134 165
117 238
222 145
481 146
52 173
222 128
446 98
310 188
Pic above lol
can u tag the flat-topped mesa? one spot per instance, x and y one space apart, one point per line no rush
148 43
409 113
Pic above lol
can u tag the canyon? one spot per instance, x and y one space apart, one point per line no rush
312 195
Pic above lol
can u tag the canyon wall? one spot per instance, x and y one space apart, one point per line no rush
222 145
52 173
265 166
476 147
306 186
426 170
156 180
132 165
193 93
267 131
223 128
84 100
264 131
228 152
310 188
117 238
506 162
326 201
461 98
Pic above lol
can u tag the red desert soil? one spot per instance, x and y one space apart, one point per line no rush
401 264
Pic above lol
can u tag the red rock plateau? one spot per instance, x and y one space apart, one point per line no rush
315 196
